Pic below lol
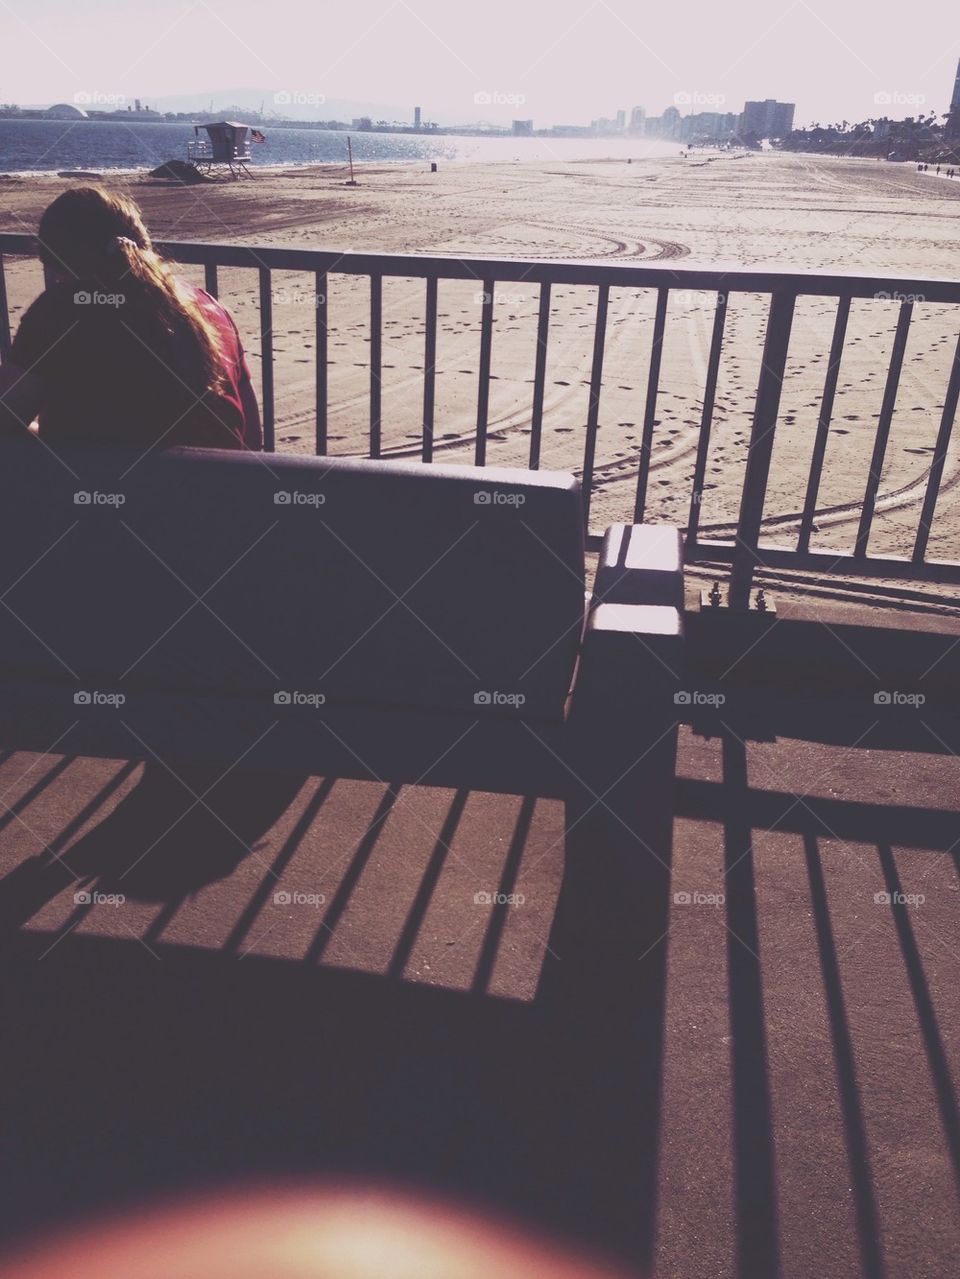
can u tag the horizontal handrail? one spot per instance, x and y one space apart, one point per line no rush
540 270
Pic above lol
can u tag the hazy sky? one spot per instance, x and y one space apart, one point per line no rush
559 61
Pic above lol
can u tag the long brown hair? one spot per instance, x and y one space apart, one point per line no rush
98 236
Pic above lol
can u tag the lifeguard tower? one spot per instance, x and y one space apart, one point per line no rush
226 143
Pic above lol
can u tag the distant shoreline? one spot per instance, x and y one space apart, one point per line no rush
62 145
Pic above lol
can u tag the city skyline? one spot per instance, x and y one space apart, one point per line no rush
590 51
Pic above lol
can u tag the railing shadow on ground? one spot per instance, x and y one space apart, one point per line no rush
742 811
126 1076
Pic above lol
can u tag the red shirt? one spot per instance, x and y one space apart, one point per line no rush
103 382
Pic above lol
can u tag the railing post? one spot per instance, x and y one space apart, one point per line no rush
939 459
540 375
376 362
5 341
483 388
266 358
593 407
769 389
429 369
320 370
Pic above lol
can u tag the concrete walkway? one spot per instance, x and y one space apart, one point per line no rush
736 1056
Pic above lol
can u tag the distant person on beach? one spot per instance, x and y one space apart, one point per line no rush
117 349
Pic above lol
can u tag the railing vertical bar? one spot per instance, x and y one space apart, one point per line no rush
210 281
650 412
266 358
483 389
593 408
823 424
939 459
883 428
376 370
429 368
5 338
706 419
769 389
540 376
320 299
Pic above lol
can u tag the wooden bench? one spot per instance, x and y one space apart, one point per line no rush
362 618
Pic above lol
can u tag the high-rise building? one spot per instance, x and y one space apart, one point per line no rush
522 128
621 120
671 123
638 119
767 119
416 117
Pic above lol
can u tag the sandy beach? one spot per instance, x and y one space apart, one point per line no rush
712 209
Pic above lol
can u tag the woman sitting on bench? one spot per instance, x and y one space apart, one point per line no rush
118 350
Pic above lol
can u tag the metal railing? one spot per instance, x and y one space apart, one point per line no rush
745 551
204 151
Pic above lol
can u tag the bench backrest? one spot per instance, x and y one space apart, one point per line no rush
378 582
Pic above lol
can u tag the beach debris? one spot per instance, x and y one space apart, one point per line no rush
179 171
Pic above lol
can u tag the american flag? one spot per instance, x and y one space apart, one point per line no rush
257 135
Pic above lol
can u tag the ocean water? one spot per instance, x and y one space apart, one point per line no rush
46 146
